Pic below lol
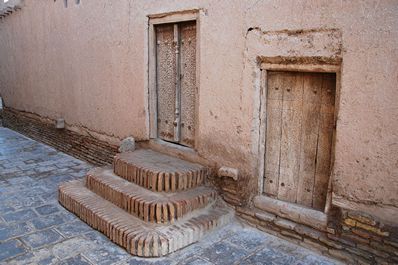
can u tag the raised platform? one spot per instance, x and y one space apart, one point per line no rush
138 212
147 205
159 172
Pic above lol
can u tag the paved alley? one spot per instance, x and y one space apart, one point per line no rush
35 229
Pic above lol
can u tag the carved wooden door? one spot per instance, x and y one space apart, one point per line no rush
299 132
176 82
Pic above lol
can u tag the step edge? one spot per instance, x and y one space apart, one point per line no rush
127 199
140 248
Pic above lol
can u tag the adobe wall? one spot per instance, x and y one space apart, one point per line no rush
87 63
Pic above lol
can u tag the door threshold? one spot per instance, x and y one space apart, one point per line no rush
292 211
176 146
176 150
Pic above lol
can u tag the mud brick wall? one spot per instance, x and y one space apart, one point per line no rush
353 237
86 148
237 193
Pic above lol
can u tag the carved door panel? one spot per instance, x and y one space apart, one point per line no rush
176 82
300 119
166 62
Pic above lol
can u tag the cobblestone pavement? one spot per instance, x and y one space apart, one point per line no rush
35 229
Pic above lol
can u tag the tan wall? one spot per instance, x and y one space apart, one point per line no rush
88 64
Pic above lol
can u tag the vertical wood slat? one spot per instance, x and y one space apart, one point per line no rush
299 130
166 73
188 82
324 148
291 136
309 140
273 133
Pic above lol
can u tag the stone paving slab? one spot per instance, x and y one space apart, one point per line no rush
35 229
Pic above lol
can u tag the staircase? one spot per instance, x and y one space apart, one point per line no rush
149 203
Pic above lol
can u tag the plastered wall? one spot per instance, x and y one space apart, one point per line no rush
87 63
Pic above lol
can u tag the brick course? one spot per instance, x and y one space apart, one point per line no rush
145 204
364 240
138 237
86 148
159 172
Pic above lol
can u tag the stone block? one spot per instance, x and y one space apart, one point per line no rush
245 211
8 231
330 243
77 260
10 249
20 215
292 211
315 245
232 173
373 250
41 238
127 145
384 247
350 222
347 242
248 240
285 223
307 231
223 253
266 217
354 238
373 229
331 230
361 233
392 243
343 255
362 217
73 229
291 234
47 209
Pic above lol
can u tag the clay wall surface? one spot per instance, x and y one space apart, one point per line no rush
88 64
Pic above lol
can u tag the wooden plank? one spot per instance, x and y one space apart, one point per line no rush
291 136
324 148
188 82
273 133
309 137
166 80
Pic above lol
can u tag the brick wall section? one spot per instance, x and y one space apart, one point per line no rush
357 238
86 148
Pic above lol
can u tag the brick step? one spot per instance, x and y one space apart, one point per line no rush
136 236
147 205
159 172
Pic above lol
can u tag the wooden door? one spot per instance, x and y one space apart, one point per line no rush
176 82
299 131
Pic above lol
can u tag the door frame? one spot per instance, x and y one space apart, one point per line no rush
164 18
315 65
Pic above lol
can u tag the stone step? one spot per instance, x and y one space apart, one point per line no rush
147 205
159 172
136 236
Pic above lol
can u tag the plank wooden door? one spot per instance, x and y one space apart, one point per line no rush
299 131
176 82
